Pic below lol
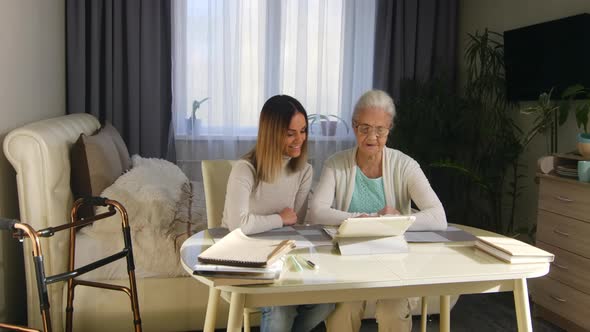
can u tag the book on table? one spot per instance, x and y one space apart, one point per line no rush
512 251
240 275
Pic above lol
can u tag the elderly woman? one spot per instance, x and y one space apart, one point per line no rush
370 180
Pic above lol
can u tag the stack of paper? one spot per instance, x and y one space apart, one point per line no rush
512 250
237 259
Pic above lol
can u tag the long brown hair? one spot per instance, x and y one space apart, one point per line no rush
267 154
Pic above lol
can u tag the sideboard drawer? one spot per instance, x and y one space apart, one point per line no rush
561 299
568 199
566 233
569 268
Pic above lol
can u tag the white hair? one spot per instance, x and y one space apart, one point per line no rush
374 99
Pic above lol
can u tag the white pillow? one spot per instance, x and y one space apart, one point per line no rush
157 196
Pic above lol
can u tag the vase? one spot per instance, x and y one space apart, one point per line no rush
328 127
584 145
193 126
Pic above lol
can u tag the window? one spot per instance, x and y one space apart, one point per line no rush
231 55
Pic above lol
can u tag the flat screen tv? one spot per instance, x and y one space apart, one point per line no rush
554 54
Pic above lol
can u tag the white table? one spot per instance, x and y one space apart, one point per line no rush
428 269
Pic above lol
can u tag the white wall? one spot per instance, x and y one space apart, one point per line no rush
502 15
32 87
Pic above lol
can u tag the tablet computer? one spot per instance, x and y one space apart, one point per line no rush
375 226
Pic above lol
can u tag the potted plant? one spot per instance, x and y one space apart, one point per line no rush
582 109
328 123
193 123
548 117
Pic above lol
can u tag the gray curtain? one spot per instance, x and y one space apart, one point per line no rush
414 39
119 68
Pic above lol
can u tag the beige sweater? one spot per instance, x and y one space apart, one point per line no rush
403 182
256 209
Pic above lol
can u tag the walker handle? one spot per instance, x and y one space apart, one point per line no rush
7 224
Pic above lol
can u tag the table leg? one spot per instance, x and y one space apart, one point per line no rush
236 312
211 313
521 303
424 314
445 313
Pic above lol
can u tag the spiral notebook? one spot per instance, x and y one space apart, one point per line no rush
237 249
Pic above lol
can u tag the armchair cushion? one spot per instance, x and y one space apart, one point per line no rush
95 164
120 145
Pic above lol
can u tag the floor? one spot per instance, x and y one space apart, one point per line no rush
484 312
475 312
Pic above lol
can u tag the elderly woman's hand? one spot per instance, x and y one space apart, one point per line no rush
388 210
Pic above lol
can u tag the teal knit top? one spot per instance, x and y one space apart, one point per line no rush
368 195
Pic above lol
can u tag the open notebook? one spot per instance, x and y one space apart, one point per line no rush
237 249
375 226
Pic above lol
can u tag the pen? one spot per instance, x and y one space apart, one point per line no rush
312 264
309 263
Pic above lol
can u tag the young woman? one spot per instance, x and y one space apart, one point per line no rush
268 189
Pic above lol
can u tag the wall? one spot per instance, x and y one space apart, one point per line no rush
32 87
502 15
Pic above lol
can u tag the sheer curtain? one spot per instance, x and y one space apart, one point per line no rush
229 56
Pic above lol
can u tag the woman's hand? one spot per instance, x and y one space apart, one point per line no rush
388 210
289 216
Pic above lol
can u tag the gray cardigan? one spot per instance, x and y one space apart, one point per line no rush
403 182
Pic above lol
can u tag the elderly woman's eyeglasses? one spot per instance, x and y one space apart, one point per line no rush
365 129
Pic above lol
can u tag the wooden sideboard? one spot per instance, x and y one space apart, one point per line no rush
563 228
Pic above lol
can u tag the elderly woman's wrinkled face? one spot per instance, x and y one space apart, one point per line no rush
371 128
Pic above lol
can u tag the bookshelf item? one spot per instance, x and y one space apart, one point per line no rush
565 165
563 228
237 249
546 164
512 250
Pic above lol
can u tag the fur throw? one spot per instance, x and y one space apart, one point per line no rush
157 196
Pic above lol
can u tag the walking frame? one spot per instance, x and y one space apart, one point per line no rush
22 230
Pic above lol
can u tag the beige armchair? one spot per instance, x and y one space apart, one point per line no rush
215 176
40 155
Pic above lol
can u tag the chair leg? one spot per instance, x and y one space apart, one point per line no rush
424 315
246 321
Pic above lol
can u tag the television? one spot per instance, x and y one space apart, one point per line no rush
550 55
